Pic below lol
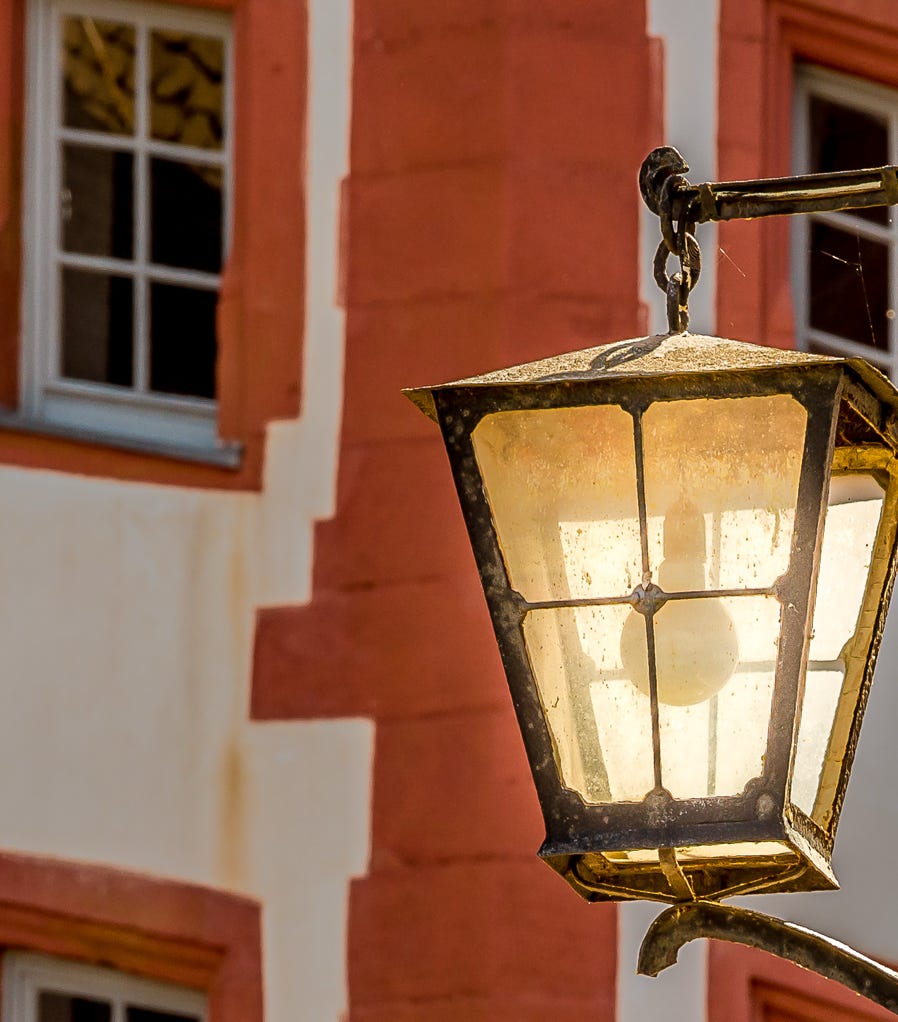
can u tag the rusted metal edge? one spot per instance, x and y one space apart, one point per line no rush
682 923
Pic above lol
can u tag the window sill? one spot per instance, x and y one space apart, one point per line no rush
224 455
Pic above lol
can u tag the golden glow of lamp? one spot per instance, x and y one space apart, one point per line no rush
687 546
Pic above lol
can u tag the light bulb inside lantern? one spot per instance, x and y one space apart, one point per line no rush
696 650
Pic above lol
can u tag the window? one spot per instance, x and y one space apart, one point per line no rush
845 263
37 988
127 219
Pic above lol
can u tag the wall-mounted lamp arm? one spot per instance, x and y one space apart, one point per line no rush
681 205
691 920
748 200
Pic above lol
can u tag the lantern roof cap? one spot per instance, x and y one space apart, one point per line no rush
658 355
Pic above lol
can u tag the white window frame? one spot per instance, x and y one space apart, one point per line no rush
135 417
26 975
881 102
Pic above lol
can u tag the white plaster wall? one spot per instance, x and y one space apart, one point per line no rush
690 118
126 624
688 32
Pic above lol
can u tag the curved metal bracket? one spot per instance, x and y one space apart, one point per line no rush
683 923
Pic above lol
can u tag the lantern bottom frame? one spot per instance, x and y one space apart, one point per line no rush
705 873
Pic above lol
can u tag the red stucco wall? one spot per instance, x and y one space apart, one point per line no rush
491 217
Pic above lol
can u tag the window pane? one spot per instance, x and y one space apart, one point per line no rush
844 138
96 332
186 215
97 201
182 340
98 73
849 288
186 98
150 1015
63 1008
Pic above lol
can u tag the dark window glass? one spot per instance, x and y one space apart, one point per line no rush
182 340
98 75
97 325
63 1008
849 288
150 1015
186 97
843 138
186 215
97 202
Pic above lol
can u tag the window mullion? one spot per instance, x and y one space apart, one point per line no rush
50 359
141 214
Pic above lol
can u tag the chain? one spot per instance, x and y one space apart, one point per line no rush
678 239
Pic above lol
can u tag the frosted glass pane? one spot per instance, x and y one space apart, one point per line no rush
818 710
561 484
852 518
721 479
714 728
600 722
834 668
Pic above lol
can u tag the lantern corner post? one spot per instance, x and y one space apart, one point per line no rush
687 921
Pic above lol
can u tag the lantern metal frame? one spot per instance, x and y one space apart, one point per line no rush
844 400
852 426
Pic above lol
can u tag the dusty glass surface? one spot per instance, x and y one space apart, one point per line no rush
735 463
715 744
852 520
561 484
599 720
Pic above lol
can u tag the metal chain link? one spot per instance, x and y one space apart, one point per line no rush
676 239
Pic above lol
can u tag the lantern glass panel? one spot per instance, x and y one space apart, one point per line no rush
599 720
561 484
835 668
735 462
721 486
715 745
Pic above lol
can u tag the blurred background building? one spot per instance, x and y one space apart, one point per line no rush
259 760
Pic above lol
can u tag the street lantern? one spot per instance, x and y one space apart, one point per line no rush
687 546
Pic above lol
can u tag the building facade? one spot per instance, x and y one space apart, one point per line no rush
260 759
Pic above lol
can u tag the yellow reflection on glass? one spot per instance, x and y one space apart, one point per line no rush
98 75
186 89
